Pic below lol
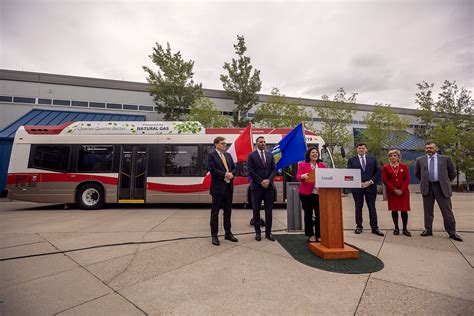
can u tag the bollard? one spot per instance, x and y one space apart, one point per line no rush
293 206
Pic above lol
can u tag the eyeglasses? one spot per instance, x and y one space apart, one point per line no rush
222 143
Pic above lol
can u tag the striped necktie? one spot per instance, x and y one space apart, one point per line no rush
431 170
362 162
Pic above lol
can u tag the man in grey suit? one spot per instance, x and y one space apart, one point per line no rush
435 173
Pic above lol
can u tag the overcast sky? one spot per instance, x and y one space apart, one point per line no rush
379 49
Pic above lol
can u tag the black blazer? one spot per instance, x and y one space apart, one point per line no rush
370 173
259 172
217 170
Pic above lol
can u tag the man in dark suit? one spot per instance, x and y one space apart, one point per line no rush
223 170
435 173
262 170
369 170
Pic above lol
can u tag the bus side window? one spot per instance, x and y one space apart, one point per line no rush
155 160
326 157
95 158
206 150
50 157
181 160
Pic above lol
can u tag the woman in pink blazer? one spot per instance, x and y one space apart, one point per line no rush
309 194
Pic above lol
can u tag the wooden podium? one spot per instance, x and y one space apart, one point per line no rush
330 212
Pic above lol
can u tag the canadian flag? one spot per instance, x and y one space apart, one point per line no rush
239 150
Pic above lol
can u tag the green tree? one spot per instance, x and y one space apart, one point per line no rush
240 83
449 122
426 104
172 85
385 129
206 112
279 112
336 116
455 125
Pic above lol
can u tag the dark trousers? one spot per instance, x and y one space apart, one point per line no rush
224 202
359 203
311 203
266 196
445 206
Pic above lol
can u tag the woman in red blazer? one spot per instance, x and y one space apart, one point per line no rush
309 194
396 178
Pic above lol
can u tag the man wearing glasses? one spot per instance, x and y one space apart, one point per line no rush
223 170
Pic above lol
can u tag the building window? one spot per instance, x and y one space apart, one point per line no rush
130 107
51 157
4 98
181 160
44 101
146 108
97 105
80 103
114 106
95 158
61 102
24 100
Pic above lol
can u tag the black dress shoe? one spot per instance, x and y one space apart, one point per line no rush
406 233
377 232
231 238
426 233
358 230
396 231
215 241
455 237
258 237
270 237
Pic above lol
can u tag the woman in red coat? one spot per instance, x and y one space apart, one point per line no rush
309 194
396 178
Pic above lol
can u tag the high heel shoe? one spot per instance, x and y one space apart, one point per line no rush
406 233
396 231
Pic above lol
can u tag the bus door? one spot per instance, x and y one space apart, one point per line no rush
132 176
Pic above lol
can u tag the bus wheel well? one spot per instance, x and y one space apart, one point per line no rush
90 195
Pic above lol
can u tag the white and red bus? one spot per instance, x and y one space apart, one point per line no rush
93 163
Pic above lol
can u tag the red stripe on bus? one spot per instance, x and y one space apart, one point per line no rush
74 177
62 177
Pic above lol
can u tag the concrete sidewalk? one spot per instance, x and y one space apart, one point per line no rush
422 275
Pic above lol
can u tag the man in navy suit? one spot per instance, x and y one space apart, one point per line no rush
262 170
369 170
223 170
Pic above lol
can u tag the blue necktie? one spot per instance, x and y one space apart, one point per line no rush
432 169
363 163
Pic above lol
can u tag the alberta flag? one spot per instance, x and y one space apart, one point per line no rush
239 150
291 148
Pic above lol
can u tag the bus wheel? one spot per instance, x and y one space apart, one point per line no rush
90 196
